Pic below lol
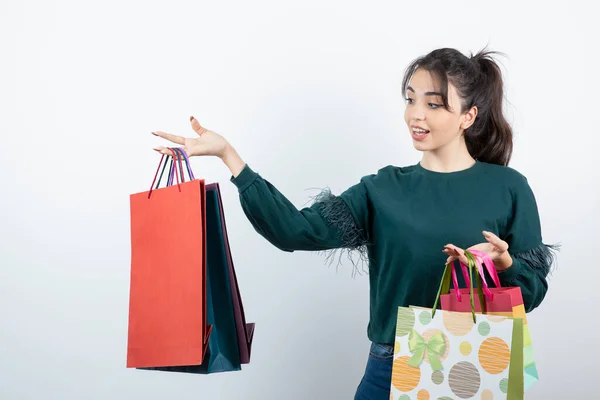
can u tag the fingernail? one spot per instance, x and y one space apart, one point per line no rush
153 133
191 118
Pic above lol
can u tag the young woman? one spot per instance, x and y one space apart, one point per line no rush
409 221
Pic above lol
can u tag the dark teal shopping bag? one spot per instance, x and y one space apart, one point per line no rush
223 352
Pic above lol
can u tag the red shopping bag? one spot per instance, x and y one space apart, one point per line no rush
167 302
499 300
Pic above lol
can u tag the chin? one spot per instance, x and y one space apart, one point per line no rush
420 146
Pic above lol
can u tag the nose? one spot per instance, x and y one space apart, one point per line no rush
419 116
416 112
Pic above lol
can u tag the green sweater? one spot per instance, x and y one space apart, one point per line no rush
400 219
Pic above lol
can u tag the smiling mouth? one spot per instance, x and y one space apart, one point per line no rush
419 132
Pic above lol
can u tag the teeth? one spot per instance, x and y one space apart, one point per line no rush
416 130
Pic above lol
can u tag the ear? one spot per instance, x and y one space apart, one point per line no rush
469 118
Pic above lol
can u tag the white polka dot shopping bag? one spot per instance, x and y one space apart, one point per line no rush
448 355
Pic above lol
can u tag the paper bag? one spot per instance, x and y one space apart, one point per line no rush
167 301
445 354
504 301
449 356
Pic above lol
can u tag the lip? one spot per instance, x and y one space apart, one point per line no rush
416 137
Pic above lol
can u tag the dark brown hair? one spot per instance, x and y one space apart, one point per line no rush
478 80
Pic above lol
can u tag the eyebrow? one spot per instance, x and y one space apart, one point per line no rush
426 93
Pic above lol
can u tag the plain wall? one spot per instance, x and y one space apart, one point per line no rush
309 94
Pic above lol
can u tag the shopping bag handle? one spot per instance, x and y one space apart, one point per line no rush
480 277
482 258
450 275
187 163
182 155
172 170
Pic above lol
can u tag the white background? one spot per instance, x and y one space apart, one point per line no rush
309 93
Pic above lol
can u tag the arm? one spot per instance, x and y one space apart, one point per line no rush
232 160
529 270
531 258
329 223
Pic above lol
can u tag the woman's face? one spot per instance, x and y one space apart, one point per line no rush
431 126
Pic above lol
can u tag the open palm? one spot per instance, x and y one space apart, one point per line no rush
208 143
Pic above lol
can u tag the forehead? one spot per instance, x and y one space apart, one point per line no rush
422 82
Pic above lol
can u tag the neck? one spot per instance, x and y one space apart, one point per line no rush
450 158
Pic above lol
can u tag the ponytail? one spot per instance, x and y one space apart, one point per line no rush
490 138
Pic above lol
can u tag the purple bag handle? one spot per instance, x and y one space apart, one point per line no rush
180 152
187 164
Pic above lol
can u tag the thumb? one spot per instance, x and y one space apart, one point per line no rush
199 129
496 241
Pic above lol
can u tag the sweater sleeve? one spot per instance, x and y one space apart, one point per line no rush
532 259
331 222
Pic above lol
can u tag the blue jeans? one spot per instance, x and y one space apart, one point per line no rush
375 384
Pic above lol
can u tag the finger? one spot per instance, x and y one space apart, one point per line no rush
463 258
165 150
496 241
170 137
169 152
450 250
459 253
199 129
455 253
450 253
450 259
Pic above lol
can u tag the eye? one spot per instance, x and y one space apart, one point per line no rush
434 105
409 100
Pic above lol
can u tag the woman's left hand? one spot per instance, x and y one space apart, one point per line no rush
495 247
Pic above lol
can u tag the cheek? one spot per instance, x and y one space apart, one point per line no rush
444 125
